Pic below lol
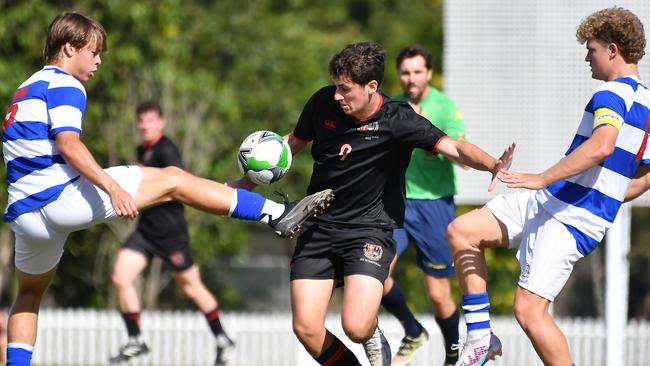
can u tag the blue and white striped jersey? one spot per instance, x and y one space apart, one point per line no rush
49 102
587 203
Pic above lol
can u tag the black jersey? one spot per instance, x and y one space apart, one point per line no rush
168 219
360 159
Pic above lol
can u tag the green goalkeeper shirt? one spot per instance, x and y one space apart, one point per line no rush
429 176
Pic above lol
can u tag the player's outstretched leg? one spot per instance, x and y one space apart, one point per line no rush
296 212
175 184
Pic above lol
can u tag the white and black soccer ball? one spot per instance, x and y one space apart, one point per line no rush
264 157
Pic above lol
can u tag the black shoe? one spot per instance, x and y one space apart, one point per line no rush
130 350
225 351
296 212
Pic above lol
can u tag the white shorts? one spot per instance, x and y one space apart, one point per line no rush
41 233
547 250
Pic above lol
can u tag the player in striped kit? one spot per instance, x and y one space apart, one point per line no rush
569 206
56 186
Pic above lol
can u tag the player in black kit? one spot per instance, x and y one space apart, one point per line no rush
162 232
361 144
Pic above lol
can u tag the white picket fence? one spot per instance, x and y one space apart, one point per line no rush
89 337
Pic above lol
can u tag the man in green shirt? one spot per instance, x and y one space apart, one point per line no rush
430 189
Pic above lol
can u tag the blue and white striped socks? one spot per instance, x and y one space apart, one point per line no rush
477 315
19 354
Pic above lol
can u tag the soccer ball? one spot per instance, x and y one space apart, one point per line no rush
264 157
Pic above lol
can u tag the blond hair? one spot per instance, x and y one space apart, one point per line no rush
615 25
74 28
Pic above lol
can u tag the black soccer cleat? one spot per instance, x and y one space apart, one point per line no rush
128 351
296 212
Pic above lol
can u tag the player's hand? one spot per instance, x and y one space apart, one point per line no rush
123 203
522 180
503 164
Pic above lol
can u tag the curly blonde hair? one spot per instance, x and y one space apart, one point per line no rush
615 25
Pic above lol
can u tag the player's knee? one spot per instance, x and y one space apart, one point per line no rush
358 332
388 285
520 314
119 280
28 299
175 176
524 313
440 299
306 329
191 290
455 234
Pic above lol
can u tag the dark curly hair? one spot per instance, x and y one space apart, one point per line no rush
413 51
615 25
360 62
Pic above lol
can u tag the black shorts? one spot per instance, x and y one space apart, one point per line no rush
175 253
324 252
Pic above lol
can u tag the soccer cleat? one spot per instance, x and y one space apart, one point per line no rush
296 212
451 357
377 349
479 351
130 350
408 347
225 350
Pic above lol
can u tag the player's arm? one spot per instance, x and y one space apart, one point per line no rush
466 153
295 143
76 154
639 184
590 153
455 126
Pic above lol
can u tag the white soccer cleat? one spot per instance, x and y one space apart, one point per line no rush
479 351
377 349
128 351
408 347
225 350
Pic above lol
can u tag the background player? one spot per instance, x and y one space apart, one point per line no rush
430 207
571 205
361 140
162 232
55 186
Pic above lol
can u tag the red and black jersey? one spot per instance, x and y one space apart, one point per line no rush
165 221
364 162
